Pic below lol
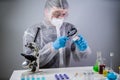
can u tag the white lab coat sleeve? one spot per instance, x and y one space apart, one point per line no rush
77 54
83 54
46 53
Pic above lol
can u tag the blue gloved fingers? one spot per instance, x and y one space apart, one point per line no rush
60 42
83 46
63 40
56 44
81 43
80 36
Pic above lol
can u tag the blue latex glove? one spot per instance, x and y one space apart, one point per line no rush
111 76
81 43
60 42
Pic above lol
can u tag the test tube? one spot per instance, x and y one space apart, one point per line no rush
66 76
22 77
89 75
43 78
111 60
27 77
119 73
56 76
101 68
33 78
85 76
119 70
92 75
38 78
61 76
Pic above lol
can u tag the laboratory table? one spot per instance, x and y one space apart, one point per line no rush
74 73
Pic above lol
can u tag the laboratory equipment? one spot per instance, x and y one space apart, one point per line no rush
99 65
57 77
33 78
101 68
32 61
78 39
88 75
38 78
92 76
66 76
105 72
119 73
27 77
119 70
96 66
62 77
43 78
72 32
112 76
22 77
111 60
85 76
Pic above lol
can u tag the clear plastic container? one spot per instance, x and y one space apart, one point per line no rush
111 60
119 73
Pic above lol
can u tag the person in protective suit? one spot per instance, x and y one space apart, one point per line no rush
55 47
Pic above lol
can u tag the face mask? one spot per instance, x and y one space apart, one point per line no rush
57 22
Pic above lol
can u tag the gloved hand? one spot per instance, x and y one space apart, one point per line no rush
81 43
60 42
111 76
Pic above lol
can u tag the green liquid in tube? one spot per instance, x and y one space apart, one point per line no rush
96 67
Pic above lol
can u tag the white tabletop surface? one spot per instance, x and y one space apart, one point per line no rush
74 73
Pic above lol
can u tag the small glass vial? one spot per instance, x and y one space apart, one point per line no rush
22 77
101 68
119 70
111 60
105 72
85 76
119 73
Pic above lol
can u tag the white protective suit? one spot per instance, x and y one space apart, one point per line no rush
49 57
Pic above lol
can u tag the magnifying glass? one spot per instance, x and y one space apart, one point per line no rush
72 32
